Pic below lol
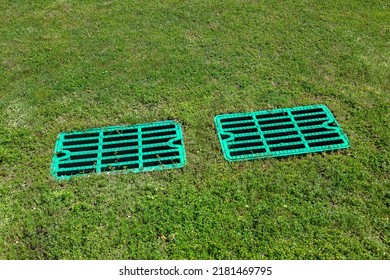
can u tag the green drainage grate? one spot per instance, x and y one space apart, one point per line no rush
143 147
281 132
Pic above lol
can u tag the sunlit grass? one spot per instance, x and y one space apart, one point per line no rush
68 65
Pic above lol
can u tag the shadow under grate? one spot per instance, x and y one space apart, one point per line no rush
143 147
280 132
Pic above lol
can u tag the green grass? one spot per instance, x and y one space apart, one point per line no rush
69 65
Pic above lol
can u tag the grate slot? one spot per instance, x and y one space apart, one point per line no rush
83 156
157 140
158 134
281 132
160 155
242 131
82 148
326 134
311 123
237 119
80 139
77 164
125 164
80 145
327 142
287 147
241 128
125 149
120 156
270 115
151 128
274 121
245 144
245 149
324 118
81 142
120 138
61 154
282 137
119 145
283 140
162 162
161 159
111 168
310 117
119 159
81 135
306 111
238 124
247 152
247 138
314 130
282 144
119 132
276 127
120 152
158 148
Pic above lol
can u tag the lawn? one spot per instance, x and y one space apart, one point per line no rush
70 65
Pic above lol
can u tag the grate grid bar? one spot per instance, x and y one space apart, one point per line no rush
303 140
261 134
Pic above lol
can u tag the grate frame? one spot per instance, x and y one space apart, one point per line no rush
119 149
269 133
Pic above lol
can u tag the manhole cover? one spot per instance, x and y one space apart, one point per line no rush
281 132
142 147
